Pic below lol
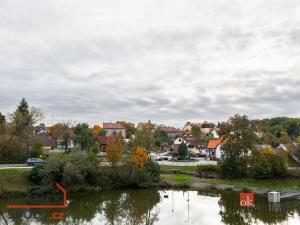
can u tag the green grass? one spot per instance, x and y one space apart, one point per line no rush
179 178
13 180
182 168
261 184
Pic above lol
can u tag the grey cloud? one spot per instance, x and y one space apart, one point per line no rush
200 64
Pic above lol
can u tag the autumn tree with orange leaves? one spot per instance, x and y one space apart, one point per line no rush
139 157
96 129
115 149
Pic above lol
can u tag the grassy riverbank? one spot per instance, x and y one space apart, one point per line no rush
181 180
181 168
13 180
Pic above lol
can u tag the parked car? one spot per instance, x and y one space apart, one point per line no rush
101 154
34 161
165 156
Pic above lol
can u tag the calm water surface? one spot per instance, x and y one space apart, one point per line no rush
132 206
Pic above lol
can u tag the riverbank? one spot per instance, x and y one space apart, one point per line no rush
246 185
14 182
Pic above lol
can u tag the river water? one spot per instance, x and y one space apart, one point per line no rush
150 206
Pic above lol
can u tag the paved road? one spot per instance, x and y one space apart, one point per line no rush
14 166
166 163
193 163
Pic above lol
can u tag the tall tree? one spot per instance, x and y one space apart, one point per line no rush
62 132
83 136
115 149
161 138
238 136
130 128
197 133
16 136
2 119
144 138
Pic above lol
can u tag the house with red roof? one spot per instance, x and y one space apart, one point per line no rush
213 150
172 131
103 142
114 128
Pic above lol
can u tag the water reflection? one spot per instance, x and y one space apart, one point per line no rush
138 206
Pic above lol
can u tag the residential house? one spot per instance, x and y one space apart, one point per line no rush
177 142
114 128
172 131
194 147
46 139
103 142
213 150
148 125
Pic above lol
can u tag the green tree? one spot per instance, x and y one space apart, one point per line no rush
239 138
267 163
102 132
2 119
66 135
37 150
144 138
130 128
197 133
84 137
182 151
17 132
161 138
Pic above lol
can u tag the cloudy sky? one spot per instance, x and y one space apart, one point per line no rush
169 61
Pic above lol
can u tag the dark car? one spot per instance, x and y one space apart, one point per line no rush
34 161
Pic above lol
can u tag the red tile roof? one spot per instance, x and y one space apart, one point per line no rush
103 140
113 126
212 144
170 129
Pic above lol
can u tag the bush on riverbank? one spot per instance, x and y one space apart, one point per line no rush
233 168
82 169
208 168
266 163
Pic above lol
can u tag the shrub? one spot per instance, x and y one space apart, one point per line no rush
152 172
53 171
37 150
80 168
182 151
266 163
207 168
36 174
129 175
233 168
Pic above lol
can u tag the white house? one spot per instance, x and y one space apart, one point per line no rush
213 150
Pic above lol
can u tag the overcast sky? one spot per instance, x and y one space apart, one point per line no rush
169 61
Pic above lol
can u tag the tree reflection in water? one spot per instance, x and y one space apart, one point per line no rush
140 206
232 213
108 207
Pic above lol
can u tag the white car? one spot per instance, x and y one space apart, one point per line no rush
165 156
101 154
153 156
